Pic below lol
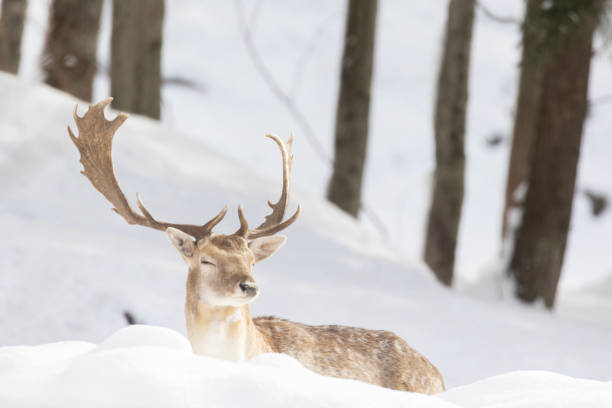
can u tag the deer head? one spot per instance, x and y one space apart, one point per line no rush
220 266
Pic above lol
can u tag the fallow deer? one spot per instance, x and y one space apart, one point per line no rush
220 283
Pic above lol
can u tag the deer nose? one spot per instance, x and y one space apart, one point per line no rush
248 288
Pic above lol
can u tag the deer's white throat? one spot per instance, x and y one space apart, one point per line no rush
219 332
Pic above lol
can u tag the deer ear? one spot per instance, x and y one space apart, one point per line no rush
181 241
265 247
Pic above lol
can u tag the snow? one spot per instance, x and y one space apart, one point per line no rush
147 366
532 389
70 267
591 303
160 372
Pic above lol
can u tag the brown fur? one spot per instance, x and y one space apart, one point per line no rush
229 332
373 356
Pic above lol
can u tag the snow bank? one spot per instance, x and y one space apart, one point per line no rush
526 389
146 366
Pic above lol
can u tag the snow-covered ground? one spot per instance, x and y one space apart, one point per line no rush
71 268
147 366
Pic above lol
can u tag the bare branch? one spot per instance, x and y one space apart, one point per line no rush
276 88
286 99
308 50
500 19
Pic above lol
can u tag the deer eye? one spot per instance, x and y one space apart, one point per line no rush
205 262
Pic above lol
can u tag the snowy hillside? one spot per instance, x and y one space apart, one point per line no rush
70 267
300 43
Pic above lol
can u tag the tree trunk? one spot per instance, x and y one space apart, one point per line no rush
69 58
527 109
449 129
540 241
136 56
353 110
11 29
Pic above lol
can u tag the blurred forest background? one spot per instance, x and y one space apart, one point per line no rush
552 103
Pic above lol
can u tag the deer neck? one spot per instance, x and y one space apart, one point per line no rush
224 332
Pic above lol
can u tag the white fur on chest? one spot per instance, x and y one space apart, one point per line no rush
218 338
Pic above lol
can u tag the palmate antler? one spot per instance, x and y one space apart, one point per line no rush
274 221
95 146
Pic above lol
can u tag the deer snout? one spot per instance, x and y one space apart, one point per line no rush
249 288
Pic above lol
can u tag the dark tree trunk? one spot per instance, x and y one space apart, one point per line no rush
540 242
449 129
353 110
69 59
11 29
527 109
136 56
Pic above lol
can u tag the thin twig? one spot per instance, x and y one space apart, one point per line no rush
504 20
286 99
307 52
254 17
276 89
376 221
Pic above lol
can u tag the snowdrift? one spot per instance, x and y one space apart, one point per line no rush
537 389
146 366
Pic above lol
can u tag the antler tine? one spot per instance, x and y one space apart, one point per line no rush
244 224
195 231
217 219
274 221
258 233
94 143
